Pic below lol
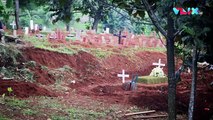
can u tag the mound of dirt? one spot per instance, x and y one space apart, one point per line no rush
52 59
42 76
23 89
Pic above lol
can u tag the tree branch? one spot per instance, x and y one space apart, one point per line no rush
153 17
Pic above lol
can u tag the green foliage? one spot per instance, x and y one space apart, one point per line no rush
9 89
16 103
31 64
9 65
81 114
44 44
8 55
99 53
29 112
152 80
57 117
3 118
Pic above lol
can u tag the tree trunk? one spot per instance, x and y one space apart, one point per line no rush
171 70
170 56
97 18
68 27
17 13
95 23
193 86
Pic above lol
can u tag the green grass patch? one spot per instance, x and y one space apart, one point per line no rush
58 117
29 112
152 80
48 102
44 44
2 117
99 53
16 103
77 114
132 51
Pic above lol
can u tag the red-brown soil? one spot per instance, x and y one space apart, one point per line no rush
23 89
98 79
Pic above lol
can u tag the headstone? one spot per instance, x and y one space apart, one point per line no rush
44 28
31 25
103 40
15 33
26 29
107 30
36 27
211 67
78 35
159 64
123 76
13 25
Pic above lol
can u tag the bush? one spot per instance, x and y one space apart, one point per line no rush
9 55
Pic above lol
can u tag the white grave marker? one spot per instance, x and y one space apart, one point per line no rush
123 76
15 33
103 40
26 29
211 67
78 35
44 28
13 25
159 64
107 30
31 25
36 27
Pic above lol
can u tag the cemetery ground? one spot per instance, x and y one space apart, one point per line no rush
79 81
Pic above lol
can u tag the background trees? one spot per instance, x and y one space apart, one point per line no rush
190 33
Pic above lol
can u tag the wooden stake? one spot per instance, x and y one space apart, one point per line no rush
137 113
154 116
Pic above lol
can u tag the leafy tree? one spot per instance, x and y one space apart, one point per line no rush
96 9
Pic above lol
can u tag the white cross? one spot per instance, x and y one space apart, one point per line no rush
123 75
159 64
211 67
13 25
31 25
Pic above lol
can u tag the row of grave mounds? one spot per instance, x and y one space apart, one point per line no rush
91 37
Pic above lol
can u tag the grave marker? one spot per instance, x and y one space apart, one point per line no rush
107 30
15 33
159 64
211 67
13 25
31 25
44 28
120 37
36 27
78 35
123 76
26 29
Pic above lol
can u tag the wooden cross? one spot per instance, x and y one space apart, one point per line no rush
119 37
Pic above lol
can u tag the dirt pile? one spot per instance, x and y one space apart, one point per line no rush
23 89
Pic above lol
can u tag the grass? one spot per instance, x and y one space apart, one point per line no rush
132 51
16 103
152 80
58 117
100 53
77 114
29 112
44 44
2 117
